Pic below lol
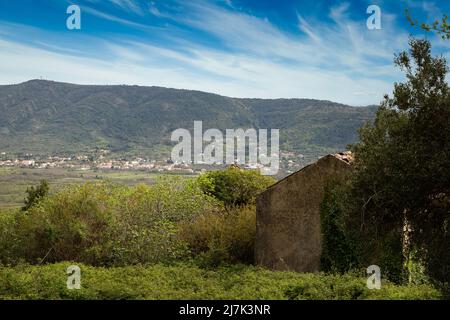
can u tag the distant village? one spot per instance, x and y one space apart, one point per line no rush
290 162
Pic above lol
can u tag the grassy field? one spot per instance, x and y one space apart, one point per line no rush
187 281
14 181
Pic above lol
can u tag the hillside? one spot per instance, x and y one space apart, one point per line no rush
46 117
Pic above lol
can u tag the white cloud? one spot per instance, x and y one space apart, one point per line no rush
114 18
338 12
224 74
129 5
342 62
154 9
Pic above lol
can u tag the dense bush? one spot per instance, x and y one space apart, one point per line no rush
186 281
338 250
234 186
402 176
8 238
352 241
350 287
397 200
225 237
103 224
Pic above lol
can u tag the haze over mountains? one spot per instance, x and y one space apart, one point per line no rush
45 117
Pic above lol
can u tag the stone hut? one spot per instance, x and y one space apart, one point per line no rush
288 235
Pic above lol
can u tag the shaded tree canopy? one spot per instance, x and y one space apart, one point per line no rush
399 191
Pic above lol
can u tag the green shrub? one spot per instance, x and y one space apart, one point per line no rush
148 230
223 237
351 241
8 238
234 186
350 287
187 281
338 251
36 194
106 224
329 287
74 224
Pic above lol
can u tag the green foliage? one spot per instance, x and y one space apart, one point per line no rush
222 237
349 244
330 287
400 181
186 281
8 237
36 194
338 249
234 186
350 287
106 224
439 26
401 177
412 157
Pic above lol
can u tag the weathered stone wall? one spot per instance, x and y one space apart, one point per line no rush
288 233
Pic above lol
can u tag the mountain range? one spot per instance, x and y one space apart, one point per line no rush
46 117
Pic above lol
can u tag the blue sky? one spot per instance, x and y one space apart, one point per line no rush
258 48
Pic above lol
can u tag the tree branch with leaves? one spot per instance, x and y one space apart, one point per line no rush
439 26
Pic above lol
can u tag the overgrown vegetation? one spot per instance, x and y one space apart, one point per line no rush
234 186
105 224
187 281
338 248
226 237
395 207
35 194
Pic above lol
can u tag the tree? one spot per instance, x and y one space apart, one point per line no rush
35 194
402 176
396 203
234 186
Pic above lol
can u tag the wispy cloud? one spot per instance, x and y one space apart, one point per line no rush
129 5
250 56
114 18
346 47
